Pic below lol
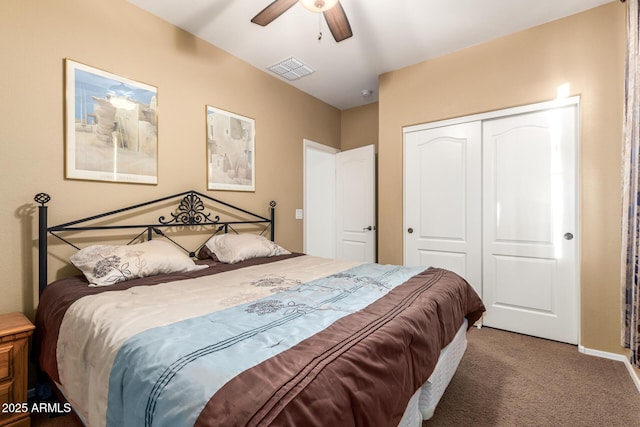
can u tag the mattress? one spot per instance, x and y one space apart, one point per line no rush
412 416
448 362
104 335
423 403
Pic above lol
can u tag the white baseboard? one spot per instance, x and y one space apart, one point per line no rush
613 356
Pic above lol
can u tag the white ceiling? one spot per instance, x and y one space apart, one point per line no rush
387 35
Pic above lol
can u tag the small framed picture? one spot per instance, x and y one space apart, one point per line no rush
230 151
111 127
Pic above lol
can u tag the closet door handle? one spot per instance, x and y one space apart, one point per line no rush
409 230
369 228
568 236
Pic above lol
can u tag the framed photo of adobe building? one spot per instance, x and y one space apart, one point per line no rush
111 127
230 151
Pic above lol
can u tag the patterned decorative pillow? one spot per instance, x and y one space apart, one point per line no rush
105 265
232 248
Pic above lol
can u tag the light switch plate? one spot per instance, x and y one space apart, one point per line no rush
298 213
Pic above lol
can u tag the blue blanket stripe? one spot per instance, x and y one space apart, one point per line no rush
287 390
179 364
140 394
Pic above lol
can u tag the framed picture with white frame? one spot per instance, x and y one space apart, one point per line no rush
230 151
111 126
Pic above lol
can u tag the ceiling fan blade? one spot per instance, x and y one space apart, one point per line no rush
271 12
338 22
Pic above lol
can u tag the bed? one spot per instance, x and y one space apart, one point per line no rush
240 331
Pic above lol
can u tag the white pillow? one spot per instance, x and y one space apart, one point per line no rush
232 248
105 265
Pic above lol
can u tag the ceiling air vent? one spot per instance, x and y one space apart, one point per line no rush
291 69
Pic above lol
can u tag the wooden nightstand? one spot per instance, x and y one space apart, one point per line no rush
15 330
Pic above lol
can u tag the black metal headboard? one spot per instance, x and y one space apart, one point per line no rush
190 211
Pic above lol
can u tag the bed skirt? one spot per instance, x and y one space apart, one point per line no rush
423 403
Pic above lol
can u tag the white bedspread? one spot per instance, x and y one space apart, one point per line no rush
86 354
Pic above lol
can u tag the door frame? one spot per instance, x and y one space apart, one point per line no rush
307 227
529 108
511 111
320 201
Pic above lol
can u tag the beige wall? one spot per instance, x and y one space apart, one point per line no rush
585 50
359 127
36 36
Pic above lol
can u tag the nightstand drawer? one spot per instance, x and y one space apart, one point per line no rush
15 330
6 358
6 392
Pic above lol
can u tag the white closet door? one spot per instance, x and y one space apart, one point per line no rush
529 215
442 223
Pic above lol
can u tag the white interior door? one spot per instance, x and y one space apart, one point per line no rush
319 237
493 198
442 199
355 204
529 215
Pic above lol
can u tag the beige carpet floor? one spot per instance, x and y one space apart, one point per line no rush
507 379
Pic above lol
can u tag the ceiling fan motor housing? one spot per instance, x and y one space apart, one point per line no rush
318 5
331 9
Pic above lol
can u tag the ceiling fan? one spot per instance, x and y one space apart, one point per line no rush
331 9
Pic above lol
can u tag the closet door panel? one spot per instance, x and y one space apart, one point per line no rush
524 283
442 199
522 179
492 197
529 187
454 261
442 207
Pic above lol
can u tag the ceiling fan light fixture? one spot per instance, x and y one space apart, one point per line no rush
318 5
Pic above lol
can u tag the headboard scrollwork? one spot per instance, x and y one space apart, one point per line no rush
191 210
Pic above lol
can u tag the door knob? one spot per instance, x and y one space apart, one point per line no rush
568 236
369 228
410 230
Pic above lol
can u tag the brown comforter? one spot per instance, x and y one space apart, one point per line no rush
59 295
362 370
